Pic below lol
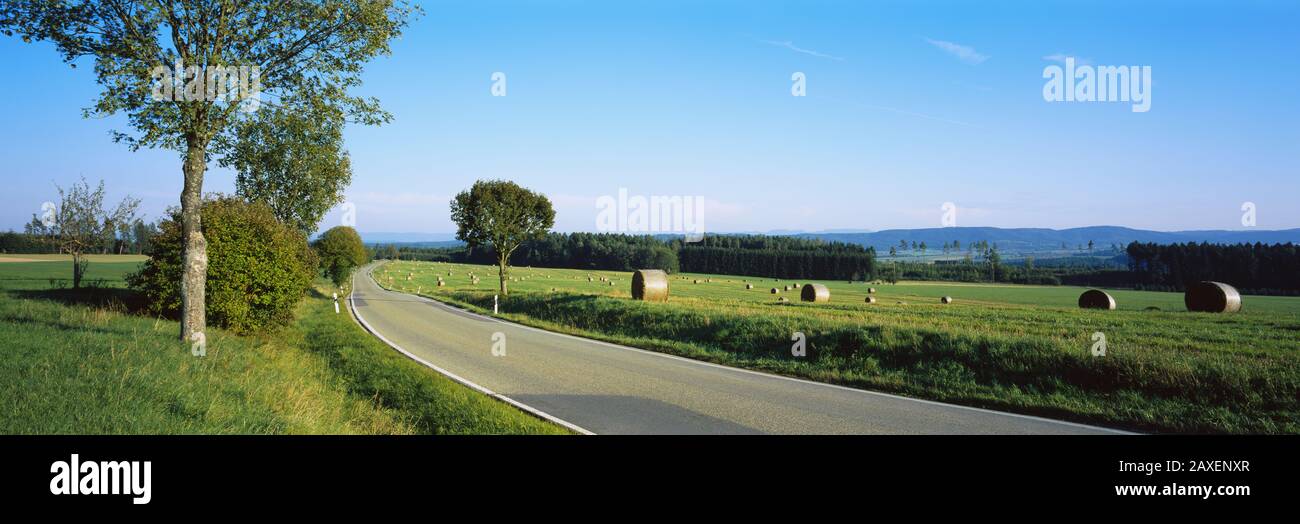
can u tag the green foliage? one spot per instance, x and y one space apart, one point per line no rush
340 251
258 268
500 214
307 52
1256 268
291 158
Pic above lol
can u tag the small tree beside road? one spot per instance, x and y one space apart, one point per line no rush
502 215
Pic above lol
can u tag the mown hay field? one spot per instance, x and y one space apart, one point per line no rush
1027 349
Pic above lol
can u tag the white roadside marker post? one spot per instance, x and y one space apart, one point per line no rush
494 304
336 303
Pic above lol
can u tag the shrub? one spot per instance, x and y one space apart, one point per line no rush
258 268
340 251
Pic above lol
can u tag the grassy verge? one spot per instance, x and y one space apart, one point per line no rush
1164 371
77 362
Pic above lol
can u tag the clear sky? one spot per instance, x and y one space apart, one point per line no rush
909 105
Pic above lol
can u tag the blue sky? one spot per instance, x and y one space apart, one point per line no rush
909 105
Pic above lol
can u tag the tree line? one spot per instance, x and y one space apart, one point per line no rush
751 255
1255 268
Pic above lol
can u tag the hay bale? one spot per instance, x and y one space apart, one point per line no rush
782 299
776 291
749 286
697 281
870 300
649 285
946 300
1096 299
1212 297
815 293
871 290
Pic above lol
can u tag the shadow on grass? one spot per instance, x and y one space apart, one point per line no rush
113 299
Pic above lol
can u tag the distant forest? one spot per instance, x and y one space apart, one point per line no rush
753 255
1252 268
1262 269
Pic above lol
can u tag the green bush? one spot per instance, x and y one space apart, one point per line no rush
258 268
340 251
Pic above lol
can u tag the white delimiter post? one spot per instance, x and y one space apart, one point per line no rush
494 304
336 303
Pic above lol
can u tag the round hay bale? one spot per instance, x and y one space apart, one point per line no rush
697 281
870 300
815 293
776 291
1212 297
650 285
946 300
782 299
871 290
1096 299
749 286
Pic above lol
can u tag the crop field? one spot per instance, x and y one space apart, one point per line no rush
28 271
1018 348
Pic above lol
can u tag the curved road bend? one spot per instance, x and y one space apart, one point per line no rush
609 389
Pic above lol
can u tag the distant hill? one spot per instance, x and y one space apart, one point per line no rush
1010 241
1031 240
411 239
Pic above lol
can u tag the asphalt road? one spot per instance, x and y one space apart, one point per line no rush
609 389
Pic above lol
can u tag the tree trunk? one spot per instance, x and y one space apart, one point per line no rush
76 270
195 273
501 262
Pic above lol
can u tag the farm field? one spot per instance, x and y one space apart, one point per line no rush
79 362
39 271
1015 348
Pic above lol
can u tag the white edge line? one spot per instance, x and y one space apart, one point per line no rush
517 404
770 375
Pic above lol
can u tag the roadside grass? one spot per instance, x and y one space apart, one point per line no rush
81 363
1164 371
428 401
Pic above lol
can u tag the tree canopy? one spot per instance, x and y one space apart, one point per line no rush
186 73
502 215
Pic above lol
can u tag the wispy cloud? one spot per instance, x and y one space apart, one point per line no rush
790 45
1060 57
964 53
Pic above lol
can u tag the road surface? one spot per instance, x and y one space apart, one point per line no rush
609 389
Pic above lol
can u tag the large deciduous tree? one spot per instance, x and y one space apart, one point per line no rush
502 215
167 66
292 159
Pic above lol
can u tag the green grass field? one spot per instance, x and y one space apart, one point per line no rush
78 362
1016 348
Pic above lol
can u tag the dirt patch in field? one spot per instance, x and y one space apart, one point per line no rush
4 259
